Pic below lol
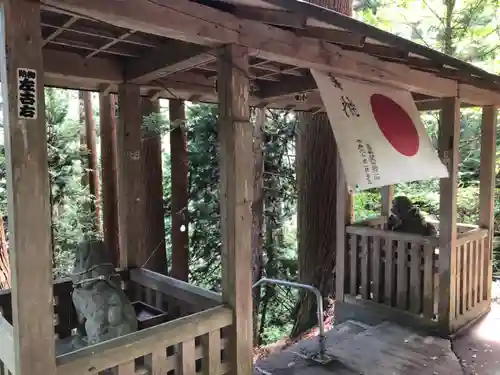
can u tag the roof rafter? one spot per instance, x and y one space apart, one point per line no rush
172 58
191 21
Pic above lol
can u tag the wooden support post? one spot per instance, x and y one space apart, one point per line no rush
107 117
343 218
387 193
487 190
152 180
449 139
130 185
180 191
28 188
236 160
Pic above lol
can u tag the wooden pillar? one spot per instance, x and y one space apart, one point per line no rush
487 189
344 217
236 174
28 188
152 180
180 191
449 139
387 195
107 117
130 185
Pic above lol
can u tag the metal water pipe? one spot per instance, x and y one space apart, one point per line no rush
319 303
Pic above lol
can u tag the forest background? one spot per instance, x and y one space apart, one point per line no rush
469 30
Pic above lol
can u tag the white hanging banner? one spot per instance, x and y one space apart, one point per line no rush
380 136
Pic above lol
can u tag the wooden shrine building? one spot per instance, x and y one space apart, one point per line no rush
238 53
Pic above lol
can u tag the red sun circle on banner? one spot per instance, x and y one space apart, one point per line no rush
396 125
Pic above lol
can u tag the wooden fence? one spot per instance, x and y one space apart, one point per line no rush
193 340
400 271
471 281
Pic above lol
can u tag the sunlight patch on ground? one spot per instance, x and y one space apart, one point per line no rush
489 328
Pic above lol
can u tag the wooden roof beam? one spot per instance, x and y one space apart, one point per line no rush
275 17
332 35
60 30
172 58
68 64
70 70
292 85
191 21
278 17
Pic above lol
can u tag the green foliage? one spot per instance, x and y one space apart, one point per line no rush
204 213
280 233
70 220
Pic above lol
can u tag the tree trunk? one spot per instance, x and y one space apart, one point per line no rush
180 192
4 259
316 180
152 177
447 38
257 214
89 150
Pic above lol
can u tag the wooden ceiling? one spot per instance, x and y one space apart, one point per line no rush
82 52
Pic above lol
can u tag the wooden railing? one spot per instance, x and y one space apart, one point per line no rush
473 257
401 270
392 268
158 350
377 222
461 227
193 339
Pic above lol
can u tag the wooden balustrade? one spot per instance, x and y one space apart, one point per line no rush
160 349
471 277
377 222
400 270
192 339
393 268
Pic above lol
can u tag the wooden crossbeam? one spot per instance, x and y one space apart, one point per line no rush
297 21
102 34
331 35
70 70
276 17
60 30
292 85
173 58
196 23
59 63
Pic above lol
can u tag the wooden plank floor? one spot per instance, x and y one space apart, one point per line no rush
386 349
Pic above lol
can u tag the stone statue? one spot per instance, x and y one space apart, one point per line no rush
104 311
405 217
